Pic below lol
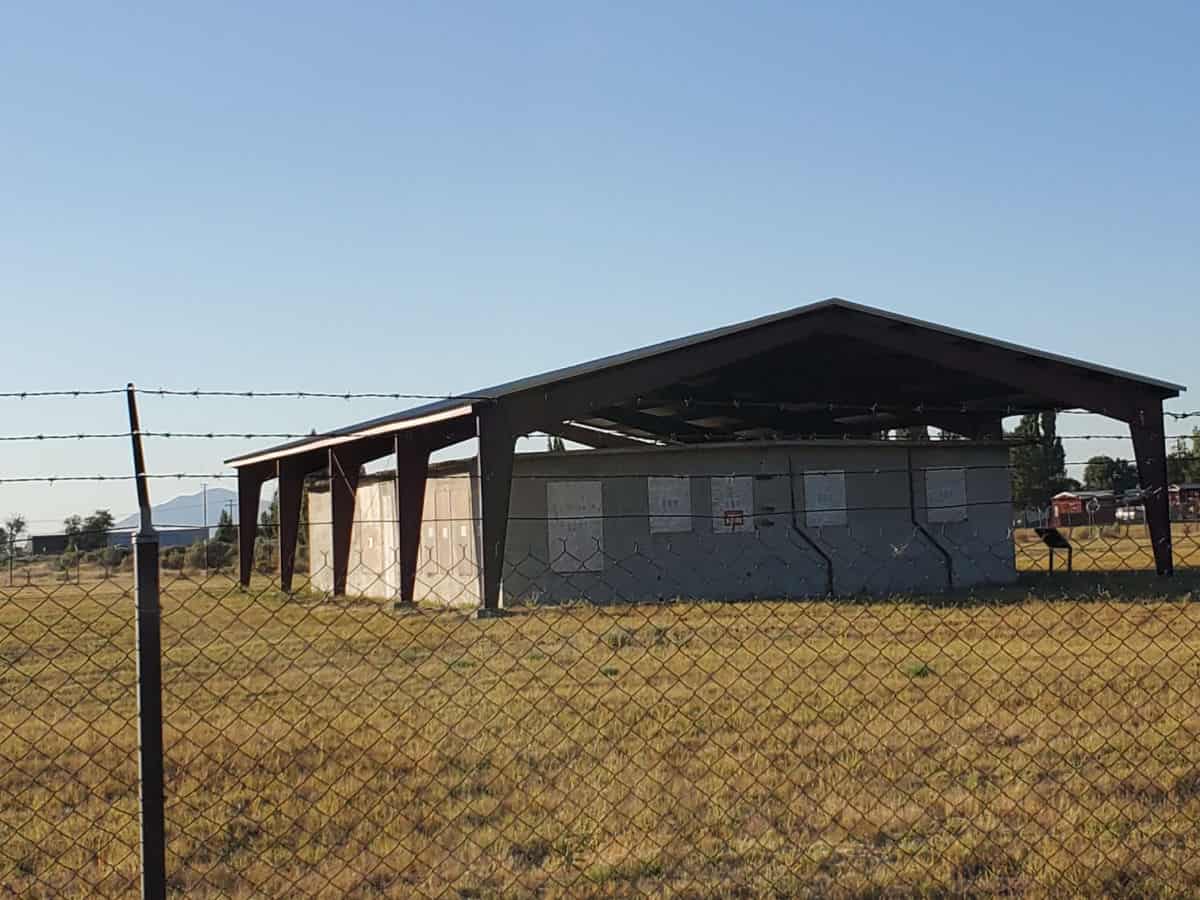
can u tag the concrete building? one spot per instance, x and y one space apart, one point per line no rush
721 522
55 544
1069 509
829 369
168 536
48 544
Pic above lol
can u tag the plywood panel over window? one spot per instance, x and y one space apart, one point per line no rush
732 504
575 526
670 504
825 499
946 495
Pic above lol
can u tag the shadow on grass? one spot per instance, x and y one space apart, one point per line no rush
1076 587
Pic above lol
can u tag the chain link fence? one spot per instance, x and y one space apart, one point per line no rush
623 730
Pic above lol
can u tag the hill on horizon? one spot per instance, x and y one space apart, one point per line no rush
187 510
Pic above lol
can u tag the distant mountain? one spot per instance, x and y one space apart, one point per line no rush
187 511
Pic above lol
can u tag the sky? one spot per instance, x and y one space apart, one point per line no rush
429 198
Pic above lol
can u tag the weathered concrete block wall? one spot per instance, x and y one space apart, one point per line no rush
610 526
374 569
448 560
878 549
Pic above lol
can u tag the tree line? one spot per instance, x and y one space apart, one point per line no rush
1039 469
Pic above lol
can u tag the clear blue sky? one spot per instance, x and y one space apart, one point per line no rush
432 197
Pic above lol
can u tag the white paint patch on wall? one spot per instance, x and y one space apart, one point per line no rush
575 526
732 503
946 495
670 504
825 499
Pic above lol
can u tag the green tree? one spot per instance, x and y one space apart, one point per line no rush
95 529
72 528
226 532
14 526
1039 463
268 522
10 533
1103 473
1183 461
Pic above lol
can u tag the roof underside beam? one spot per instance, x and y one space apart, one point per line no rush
666 427
1064 384
825 366
591 437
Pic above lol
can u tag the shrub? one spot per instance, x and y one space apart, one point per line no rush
173 558
221 555
918 670
265 558
214 554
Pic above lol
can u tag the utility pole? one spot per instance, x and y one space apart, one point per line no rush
204 501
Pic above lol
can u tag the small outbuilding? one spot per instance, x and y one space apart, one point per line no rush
830 370
1100 507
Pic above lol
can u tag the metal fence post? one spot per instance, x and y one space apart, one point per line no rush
149 672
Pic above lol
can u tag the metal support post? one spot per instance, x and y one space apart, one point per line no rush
149 675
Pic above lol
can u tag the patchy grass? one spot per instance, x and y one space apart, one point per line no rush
1106 548
1038 741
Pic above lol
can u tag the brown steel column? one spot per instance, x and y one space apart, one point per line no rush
291 493
496 443
1150 448
250 482
343 486
412 468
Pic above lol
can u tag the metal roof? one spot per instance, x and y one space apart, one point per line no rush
462 405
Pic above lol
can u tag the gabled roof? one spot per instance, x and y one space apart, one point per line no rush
618 359
825 381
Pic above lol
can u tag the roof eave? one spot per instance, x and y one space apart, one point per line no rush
333 439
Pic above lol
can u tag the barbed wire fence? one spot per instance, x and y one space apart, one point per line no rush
763 699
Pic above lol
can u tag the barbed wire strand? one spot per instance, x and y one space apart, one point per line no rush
434 474
292 435
961 407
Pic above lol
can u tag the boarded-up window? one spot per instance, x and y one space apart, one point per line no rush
575 526
824 499
732 504
946 495
670 504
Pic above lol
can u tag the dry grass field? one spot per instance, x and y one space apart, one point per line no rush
1041 740
1107 548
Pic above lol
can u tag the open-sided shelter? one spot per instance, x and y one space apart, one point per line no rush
832 368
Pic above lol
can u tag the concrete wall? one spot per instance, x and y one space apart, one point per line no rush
447 562
374 569
618 551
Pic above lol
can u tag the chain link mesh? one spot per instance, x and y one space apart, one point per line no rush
1037 738
68 733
